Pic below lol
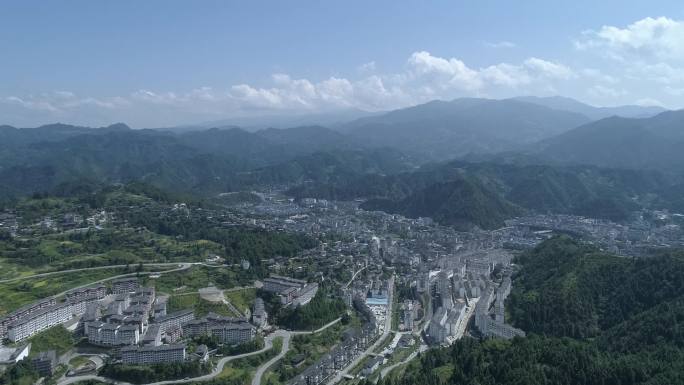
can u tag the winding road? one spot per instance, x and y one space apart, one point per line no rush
185 265
256 380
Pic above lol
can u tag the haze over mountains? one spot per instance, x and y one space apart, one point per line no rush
558 158
646 143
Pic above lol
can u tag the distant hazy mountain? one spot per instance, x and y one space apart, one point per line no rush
255 123
203 162
594 113
13 136
655 142
442 130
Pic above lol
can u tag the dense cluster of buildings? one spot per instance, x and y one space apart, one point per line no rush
647 231
354 343
123 321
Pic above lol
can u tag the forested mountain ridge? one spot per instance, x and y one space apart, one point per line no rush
592 318
200 162
580 190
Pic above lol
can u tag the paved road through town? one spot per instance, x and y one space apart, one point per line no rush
378 342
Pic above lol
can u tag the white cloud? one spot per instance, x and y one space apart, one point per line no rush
447 73
367 67
659 38
549 69
508 75
31 104
425 77
501 44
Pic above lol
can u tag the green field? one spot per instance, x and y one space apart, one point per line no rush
241 299
62 251
56 338
79 361
201 306
191 280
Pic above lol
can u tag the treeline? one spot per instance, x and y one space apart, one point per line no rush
323 308
159 372
568 289
488 192
237 242
592 319
538 360
227 350
19 374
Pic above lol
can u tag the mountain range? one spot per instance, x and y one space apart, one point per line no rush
523 154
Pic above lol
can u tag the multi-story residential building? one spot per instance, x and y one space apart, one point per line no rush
446 322
259 315
125 285
227 329
305 295
153 335
408 315
175 319
38 321
233 333
479 267
91 292
291 291
493 328
24 312
133 355
45 362
159 309
107 334
173 334
276 283
144 296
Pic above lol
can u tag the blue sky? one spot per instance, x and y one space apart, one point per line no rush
158 63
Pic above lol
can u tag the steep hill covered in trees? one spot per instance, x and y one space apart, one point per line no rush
592 319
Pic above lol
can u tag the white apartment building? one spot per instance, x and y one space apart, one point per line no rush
133 355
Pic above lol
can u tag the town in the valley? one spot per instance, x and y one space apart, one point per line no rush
407 285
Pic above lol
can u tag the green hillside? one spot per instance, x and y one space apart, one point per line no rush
592 318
